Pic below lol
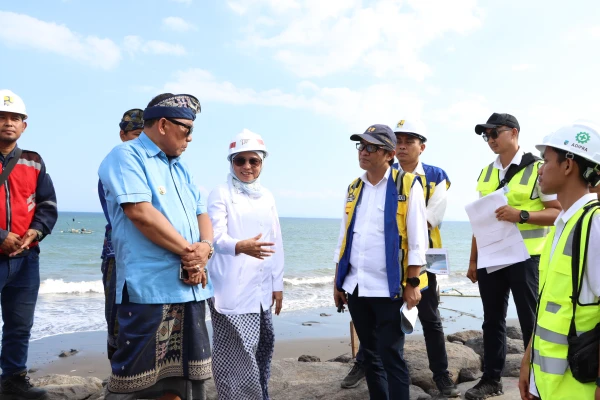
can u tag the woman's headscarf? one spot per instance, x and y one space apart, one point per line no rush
247 141
253 188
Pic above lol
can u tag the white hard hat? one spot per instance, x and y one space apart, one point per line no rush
246 140
411 127
581 138
12 103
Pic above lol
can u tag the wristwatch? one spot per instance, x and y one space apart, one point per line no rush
414 282
40 234
524 216
212 249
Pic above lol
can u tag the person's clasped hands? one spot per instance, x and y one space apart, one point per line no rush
194 262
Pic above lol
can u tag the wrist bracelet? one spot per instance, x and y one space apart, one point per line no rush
212 249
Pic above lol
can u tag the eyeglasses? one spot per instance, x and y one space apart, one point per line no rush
371 148
190 128
493 134
241 161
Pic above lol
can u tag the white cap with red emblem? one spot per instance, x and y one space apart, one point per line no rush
246 140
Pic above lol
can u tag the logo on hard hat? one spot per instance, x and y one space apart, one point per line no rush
566 142
371 129
583 137
400 123
8 100
244 141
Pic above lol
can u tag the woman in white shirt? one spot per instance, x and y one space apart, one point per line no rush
246 272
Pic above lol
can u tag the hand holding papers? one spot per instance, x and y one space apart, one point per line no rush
499 243
408 318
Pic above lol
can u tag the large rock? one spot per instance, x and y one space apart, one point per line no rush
293 380
514 332
459 357
70 387
512 366
464 336
469 375
512 346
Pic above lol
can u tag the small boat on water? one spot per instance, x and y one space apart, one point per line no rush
81 231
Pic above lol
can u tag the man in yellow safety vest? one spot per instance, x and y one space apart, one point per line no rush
568 311
533 212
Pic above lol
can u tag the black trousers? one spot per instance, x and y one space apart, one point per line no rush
377 324
430 318
522 280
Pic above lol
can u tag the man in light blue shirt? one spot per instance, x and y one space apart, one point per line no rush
162 239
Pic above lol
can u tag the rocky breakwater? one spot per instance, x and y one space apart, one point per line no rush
310 378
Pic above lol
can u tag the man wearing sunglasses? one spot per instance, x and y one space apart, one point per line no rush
533 212
410 144
380 254
162 237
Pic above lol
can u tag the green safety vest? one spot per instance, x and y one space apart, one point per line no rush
549 348
520 196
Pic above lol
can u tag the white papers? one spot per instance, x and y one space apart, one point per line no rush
437 261
499 243
408 318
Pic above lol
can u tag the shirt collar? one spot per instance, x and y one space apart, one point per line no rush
9 155
516 160
565 216
418 170
152 149
385 177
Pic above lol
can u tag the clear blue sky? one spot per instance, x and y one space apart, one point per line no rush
304 74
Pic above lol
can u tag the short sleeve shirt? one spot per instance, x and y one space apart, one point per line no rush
138 171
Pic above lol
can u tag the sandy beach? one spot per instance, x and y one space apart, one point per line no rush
319 332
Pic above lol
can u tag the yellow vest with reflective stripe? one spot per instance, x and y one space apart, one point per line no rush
353 196
553 377
521 190
435 236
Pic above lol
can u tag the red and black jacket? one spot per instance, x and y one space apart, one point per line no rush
27 198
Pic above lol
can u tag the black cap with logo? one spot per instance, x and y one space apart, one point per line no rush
379 134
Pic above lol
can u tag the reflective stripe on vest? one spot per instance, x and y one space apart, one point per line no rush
549 365
549 345
435 236
429 186
521 189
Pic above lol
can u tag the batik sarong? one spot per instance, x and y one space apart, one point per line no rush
158 341
242 352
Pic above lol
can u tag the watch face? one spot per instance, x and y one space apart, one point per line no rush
414 282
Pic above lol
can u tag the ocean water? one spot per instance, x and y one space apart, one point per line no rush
71 297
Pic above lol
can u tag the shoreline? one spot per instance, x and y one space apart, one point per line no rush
318 332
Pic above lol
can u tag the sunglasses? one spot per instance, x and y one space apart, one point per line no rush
493 134
190 128
371 148
241 161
